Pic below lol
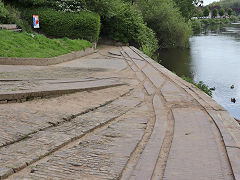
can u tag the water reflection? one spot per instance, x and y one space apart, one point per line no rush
177 60
213 58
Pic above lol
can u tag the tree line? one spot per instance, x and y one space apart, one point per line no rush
147 24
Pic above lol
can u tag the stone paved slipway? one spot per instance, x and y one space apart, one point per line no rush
135 120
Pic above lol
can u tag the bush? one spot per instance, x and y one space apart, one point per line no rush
196 25
10 15
214 12
122 22
206 12
166 21
3 13
81 25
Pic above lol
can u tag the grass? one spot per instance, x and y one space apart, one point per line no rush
200 85
26 45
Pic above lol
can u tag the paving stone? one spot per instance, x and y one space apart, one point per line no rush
194 152
154 76
146 164
138 93
130 63
19 120
140 76
56 88
115 52
4 172
131 53
134 68
42 143
227 127
149 88
230 132
139 63
172 93
101 156
234 156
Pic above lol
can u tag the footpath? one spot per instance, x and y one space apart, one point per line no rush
113 114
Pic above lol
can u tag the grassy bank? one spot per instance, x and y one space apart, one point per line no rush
25 45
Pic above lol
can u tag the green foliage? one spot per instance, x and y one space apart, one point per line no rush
14 44
82 25
200 85
166 21
14 17
206 12
122 22
199 24
3 12
234 19
187 7
221 12
226 4
196 25
229 11
198 13
214 12
10 15
105 8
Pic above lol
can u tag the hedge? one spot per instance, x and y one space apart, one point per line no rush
81 25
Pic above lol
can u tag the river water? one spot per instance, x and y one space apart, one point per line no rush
214 58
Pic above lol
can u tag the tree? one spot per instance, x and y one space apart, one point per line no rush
214 12
3 13
188 7
229 11
206 12
165 19
221 12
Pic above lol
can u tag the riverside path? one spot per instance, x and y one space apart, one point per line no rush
114 114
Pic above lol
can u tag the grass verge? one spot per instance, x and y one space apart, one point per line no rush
26 45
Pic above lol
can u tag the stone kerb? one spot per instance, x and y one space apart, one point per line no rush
46 61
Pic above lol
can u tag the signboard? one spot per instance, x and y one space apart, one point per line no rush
36 21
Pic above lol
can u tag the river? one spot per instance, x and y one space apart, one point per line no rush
214 58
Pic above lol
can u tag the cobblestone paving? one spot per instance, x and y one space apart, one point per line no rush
19 120
157 126
27 151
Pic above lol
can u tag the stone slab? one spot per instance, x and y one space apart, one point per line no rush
154 76
140 76
139 63
172 93
21 119
134 68
132 54
146 164
194 153
149 88
42 143
47 89
234 156
102 155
